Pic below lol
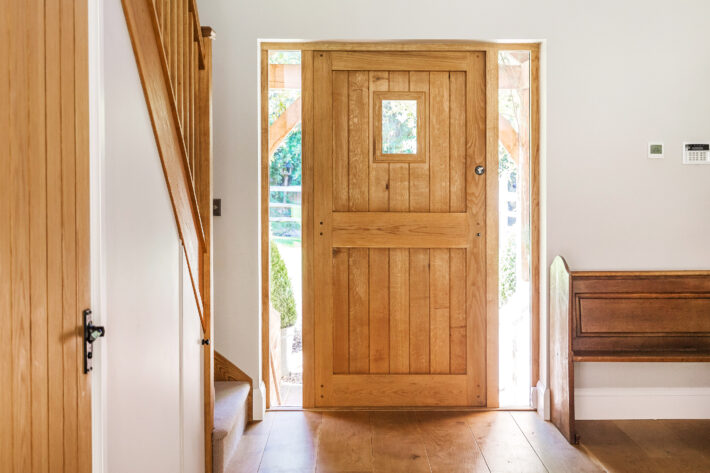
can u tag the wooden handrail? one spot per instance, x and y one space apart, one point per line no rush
170 52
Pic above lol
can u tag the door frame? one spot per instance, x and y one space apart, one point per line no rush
491 50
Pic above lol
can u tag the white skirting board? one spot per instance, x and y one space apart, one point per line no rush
259 401
642 403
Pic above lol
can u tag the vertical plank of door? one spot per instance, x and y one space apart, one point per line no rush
323 209
379 172
69 276
419 311
491 209
457 199
340 203
476 106
358 262
82 242
458 310
399 257
38 237
340 311
419 173
379 258
19 241
439 202
6 372
379 311
419 258
55 364
358 310
340 141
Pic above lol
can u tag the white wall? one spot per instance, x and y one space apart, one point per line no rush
149 366
617 75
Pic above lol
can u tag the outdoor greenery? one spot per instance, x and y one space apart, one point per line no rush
281 291
508 271
284 57
289 153
399 126
279 101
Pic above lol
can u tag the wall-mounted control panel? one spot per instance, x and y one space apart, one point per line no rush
696 153
655 150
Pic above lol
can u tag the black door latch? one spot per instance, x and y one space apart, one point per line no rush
91 334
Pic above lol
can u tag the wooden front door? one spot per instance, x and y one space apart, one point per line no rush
399 251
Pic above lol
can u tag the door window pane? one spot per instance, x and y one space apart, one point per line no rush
399 127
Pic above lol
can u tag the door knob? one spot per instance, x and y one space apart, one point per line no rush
480 170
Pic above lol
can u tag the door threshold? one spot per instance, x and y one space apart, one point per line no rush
401 409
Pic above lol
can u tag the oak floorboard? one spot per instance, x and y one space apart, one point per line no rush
556 453
345 442
503 445
614 449
395 445
292 443
250 450
450 444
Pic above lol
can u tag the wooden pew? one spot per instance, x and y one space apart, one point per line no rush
621 316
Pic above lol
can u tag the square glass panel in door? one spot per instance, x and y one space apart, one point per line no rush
399 119
399 127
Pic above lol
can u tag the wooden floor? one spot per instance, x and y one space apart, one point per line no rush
494 441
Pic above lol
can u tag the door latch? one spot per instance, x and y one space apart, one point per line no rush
91 334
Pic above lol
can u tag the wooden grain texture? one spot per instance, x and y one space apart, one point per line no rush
307 230
396 446
503 444
6 196
419 172
379 185
476 255
439 330
399 297
535 273
419 320
457 310
491 216
358 140
45 422
450 444
410 45
341 317
399 230
444 441
205 194
345 442
398 61
379 305
358 307
561 366
323 209
165 119
554 451
295 433
395 223
341 187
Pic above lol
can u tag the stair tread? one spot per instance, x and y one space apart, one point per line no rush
229 405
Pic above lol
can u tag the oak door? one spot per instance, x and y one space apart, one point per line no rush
399 260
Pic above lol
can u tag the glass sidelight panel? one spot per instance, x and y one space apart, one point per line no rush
515 291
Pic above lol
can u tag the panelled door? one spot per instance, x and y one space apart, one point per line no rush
399 251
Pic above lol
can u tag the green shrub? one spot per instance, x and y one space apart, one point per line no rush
281 290
508 271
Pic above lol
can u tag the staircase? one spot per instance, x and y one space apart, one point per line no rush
231 412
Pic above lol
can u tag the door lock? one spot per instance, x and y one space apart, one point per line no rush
480 170
91 334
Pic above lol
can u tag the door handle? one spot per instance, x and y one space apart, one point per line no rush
91 334
480 170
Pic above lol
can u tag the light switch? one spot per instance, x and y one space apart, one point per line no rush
655 150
